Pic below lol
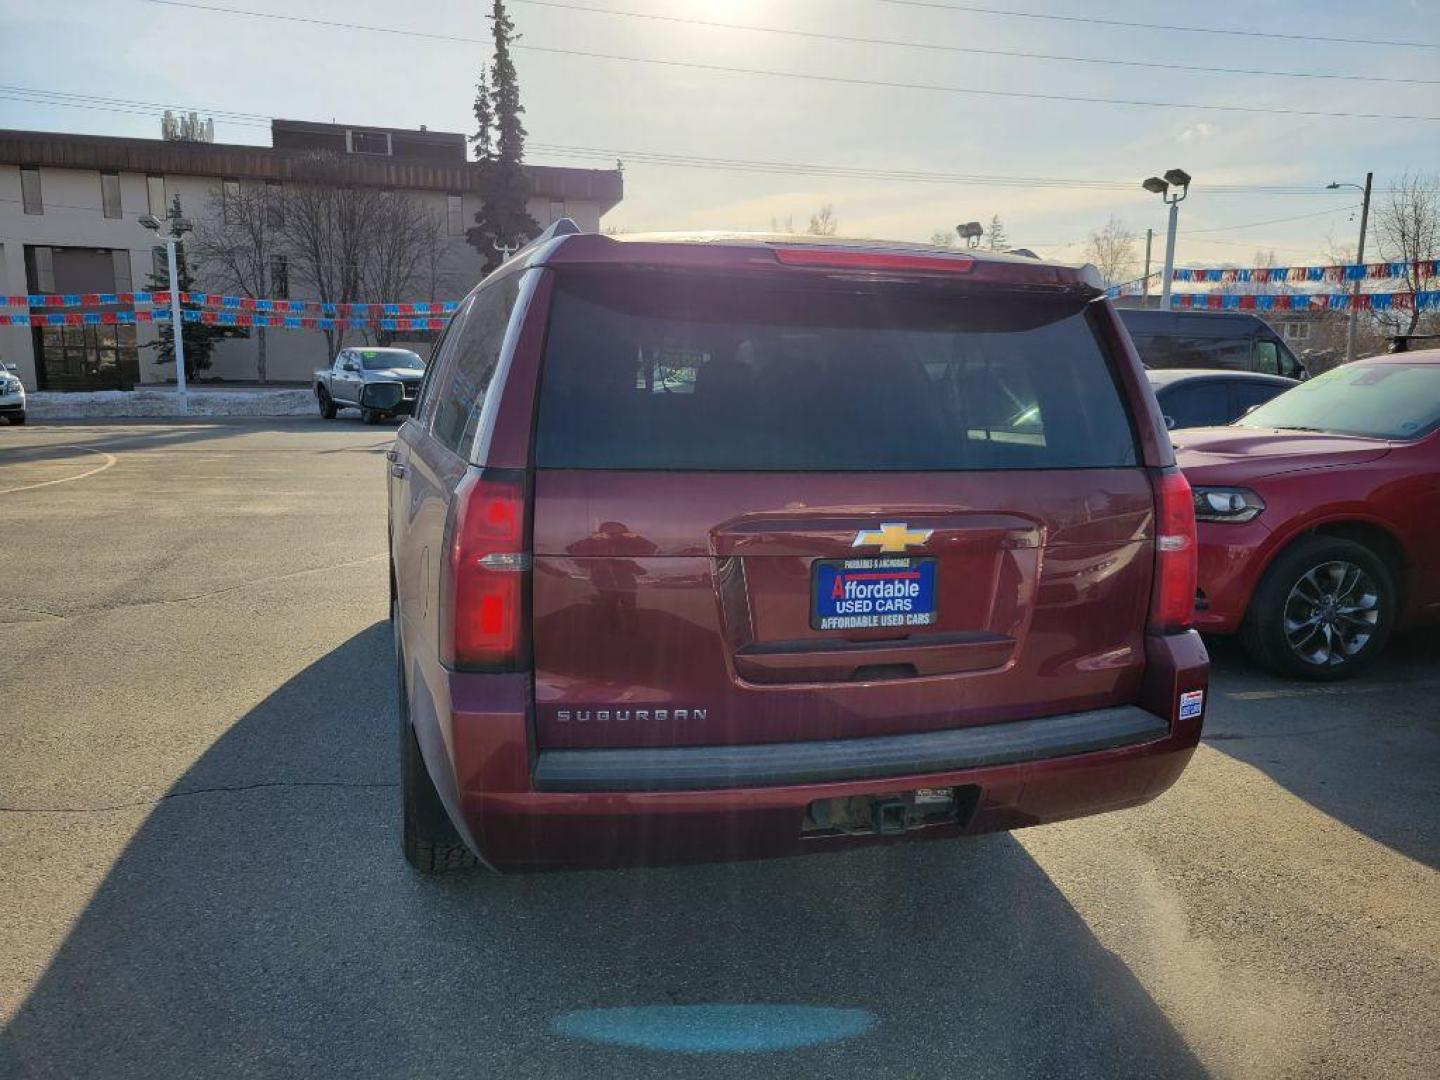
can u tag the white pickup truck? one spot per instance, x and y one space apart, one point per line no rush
379 382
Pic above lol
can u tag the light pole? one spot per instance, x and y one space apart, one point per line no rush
179 226
971 232
1145 281
1180 179
1359 258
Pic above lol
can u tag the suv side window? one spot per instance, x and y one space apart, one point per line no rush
1221 353
1290 367
1267 358
1197 404
470 363
439 354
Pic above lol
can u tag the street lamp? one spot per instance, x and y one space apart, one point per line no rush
1359 258
1174 179
179 225
970 232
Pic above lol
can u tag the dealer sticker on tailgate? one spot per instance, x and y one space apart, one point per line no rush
859 594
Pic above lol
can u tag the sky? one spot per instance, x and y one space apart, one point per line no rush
834 137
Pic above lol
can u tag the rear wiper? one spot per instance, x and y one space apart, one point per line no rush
1296 427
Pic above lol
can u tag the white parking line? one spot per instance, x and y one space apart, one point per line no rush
110 460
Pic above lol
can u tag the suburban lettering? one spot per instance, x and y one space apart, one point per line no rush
581 716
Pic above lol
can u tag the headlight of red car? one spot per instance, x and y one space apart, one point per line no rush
1229 504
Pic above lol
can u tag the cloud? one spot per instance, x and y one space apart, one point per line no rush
1196 132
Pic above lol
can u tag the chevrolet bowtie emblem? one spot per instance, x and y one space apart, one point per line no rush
892 536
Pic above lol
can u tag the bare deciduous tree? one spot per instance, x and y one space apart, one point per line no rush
234 243
1112 250
943 238
348 244
823 221
1407 227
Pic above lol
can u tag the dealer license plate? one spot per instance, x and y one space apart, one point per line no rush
872 593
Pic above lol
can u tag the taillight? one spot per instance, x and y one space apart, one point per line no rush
874 260
482 587
1172 605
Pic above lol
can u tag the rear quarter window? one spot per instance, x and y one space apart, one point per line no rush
645 370
468 358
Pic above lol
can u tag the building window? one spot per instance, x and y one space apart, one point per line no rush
120 259
275 204
229 199
44 264
368 142
30 191
455 214
557 210
155 196
1297 331
279 277
110 194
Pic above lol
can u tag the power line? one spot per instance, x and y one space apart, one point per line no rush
97 102
725 69
1272 221
126 105
966 49
1012 14
69 99
863 173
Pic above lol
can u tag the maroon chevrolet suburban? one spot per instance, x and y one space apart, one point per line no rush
713 547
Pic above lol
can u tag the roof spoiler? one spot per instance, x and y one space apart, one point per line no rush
559 227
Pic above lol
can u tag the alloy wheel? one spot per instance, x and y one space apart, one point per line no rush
1332 612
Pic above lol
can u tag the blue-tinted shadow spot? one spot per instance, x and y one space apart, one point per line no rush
716 1029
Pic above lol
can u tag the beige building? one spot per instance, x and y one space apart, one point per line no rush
70 209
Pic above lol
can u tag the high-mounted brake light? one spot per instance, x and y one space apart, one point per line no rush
1172 603
482 592
839 259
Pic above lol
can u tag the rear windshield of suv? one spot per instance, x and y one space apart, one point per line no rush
647 370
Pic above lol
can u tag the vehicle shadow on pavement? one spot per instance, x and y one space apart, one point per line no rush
261 922
1365 751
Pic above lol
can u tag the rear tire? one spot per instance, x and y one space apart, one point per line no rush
18 419
327 407
427 837
1323 611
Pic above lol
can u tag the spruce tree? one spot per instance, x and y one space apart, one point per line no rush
998 240
484 138
502 221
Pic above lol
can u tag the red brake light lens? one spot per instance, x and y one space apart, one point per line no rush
482 595
840 259
1172 605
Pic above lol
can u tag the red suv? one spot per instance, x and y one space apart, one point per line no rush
709 548
1319 516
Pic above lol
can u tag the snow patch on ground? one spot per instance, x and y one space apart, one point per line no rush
156 402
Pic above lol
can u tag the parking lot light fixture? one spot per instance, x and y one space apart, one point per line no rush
1172 189
179 225
1336 185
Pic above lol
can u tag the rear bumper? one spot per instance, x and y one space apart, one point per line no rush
700 768
625 808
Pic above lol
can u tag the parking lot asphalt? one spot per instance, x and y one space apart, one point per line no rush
201 877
